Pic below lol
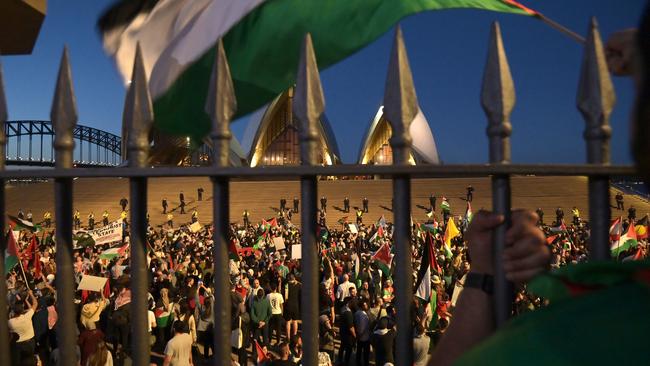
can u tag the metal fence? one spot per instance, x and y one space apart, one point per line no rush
595 100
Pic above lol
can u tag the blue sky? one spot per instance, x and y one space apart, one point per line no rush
447 51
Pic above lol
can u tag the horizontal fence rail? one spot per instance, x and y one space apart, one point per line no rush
595 101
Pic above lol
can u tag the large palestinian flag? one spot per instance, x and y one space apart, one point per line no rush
262 39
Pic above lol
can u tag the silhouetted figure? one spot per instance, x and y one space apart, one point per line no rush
432 201
283 204
346 204
296 203
470 193
245 216
182 206
619 201
631 213
164 205
365 204
123 203
323 204
199 193
559 215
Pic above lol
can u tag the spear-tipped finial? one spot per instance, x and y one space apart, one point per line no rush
221 106
138 114
400 100
308 102
64 114
498 97
596 97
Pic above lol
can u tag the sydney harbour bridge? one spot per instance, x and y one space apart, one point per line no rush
31 143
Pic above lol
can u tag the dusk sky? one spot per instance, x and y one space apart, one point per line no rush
447 51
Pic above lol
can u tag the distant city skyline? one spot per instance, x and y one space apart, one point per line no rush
447 51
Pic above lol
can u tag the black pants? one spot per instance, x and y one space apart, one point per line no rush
182 209
469 197
276 324
205 337
345 352
365 207
23 351
363 353
619 205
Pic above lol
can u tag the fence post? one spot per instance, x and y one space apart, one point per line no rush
138 117
595 100
221 106
64 119
400 108
5 353
308 106
498 99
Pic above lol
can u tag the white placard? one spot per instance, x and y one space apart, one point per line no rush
108 234
353 228
92 283
278 242
296 251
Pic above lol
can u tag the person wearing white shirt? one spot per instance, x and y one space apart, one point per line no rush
21 324
276 323
343 291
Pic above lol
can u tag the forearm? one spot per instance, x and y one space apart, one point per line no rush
472 323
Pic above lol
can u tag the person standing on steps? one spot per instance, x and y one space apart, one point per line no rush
76 217
346 204
123 203
470 193
199 193
283 204
365 204
164 205
296 204
619 201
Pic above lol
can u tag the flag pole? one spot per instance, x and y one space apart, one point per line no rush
20 261
562 29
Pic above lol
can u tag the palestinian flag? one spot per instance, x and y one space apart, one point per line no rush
551 239
11 254
429 228
323 233
163 316
261 355
616 229
262 39
113 252
343 220
260 242
641 227
468 215
383 259
378 234
232 251
427 265
382 221
20 224
450 232
559 229
445 206
627 241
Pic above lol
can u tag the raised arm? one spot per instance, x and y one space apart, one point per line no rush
526 255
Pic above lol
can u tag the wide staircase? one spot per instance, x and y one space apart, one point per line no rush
262 198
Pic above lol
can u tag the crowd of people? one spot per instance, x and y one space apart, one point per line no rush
357 317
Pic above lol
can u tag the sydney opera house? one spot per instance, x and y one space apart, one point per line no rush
271 138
